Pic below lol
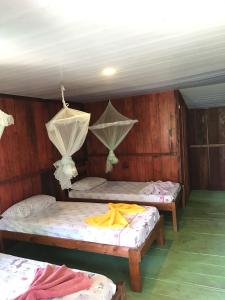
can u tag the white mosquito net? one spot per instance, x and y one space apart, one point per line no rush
5 120
67 130
111 128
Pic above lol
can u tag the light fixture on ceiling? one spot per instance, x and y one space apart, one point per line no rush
109 71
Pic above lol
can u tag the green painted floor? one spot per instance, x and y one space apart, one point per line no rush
190 266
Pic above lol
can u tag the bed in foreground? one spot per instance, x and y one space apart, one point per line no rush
166 196
62 224
16 275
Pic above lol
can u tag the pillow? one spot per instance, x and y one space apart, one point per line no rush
29 206
87 183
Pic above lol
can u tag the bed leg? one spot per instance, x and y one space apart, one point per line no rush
135 270
120 291
2 247
174 217
161 237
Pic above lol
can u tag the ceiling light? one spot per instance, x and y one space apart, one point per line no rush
109 71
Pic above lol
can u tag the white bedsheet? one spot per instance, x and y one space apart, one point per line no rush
126 191
16 274
66 220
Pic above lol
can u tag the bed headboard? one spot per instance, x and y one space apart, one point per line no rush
43 181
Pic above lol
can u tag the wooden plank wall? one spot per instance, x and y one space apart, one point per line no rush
207 148
151 151
198 153
183 128
25 149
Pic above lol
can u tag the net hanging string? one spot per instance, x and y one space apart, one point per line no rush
65 105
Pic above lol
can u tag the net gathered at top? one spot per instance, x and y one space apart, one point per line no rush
111 128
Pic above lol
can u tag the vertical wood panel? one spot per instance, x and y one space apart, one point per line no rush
217 165
43 147
199 168
157 167
198 135
182 139
208 160
197 126
140 140
151 151
168 123
52 110
216 125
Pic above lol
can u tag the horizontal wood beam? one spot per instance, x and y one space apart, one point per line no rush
207 146
66 243
23 177
134 154
81 166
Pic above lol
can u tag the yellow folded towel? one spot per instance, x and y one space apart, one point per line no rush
114 217
127 208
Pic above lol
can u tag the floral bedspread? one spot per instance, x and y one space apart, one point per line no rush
16 274
126 191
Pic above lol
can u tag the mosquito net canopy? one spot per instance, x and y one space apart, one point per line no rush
67 130
5 120
111 128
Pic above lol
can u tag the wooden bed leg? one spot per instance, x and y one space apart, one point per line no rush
120 292
2 246
135 270
174 217
161 237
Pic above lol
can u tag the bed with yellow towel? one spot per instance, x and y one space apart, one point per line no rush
116 229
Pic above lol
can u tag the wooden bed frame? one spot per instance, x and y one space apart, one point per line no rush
134 255
50 186
120 292
171 207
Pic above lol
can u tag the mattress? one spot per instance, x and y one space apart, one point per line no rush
126 191
66 220
16 274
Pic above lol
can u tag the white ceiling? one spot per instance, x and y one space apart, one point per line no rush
205 96
154 45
